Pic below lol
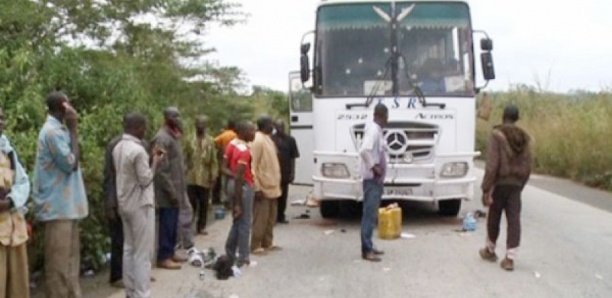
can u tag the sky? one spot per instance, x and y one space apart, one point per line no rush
557 45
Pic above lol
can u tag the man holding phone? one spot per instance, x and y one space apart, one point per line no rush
135 198
59 196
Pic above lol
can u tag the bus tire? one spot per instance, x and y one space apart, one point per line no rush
449 207
329 209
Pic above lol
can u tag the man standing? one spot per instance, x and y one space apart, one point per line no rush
222 140
507 171
373 170
59 197
287 153
169 188
14 192
135 199
202 171
238 166
267 187
115 226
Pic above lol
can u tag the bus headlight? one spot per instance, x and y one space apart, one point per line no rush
454 169
335 170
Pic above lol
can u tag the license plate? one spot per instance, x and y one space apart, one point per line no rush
400 192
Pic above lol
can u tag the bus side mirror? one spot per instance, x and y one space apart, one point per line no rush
486 44
486 59
304 63
488 70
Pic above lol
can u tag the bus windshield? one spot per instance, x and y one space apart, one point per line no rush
353 54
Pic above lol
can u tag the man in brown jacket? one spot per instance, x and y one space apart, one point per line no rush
507 171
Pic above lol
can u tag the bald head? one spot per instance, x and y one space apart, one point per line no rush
381 114
172 117
265 124
245 131
135 124
201 123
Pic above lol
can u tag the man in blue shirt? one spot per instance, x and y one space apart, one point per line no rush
59 197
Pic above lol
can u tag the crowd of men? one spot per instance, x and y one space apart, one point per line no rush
169 182
156 194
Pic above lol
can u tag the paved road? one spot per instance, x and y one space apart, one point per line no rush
566 252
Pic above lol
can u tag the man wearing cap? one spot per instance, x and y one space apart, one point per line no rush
507 171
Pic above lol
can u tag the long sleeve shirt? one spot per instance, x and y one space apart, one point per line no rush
20 188
58 191
266 169
13 228
134 175
201 161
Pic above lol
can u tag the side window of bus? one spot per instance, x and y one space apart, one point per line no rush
301 100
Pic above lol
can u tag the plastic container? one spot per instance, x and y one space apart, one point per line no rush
389 223
469 222
220 213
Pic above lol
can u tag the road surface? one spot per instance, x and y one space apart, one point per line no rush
566 251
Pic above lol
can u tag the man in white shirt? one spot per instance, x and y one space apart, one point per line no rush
135 197
373 169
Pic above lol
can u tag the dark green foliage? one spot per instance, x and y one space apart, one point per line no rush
109 61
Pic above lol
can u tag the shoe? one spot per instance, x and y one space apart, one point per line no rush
242 263
203 233
282 221
370 257
118 284
179 259
168 264
258 251
487 255
153 279
273 248
378 252
507 264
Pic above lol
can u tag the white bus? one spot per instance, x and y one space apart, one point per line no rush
417 58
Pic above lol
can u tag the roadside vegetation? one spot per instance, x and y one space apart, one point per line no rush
572 133
111 57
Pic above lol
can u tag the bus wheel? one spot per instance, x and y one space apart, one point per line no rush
329 209
449 207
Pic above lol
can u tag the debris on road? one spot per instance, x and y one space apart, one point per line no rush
302 216
598 276
480 214
386 269
329 232
343 230
407 236
537 274
298 202
469 223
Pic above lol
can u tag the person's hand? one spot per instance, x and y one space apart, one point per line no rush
111 214
378 171
291 177
71 116
487 199
236 211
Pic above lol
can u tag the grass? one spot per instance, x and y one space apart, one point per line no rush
572 133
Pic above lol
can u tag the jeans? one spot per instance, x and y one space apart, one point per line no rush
168 221
116 262
240 231
372 194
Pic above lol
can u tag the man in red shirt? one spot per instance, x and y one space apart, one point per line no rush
237 167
